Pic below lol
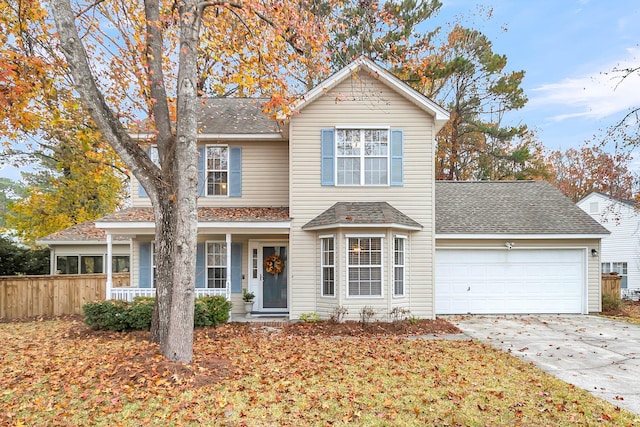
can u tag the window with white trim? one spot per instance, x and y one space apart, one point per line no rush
254 264
398 265
364 266
66 264
617 267
120 263
328 266
91 264
217 265
217 170
362 156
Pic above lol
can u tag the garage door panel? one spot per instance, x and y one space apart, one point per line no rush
516 281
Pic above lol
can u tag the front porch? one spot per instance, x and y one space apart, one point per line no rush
237 248
128 293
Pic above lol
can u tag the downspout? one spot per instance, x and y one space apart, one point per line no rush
228 287
109 265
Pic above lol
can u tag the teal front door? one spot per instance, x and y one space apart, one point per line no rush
274 278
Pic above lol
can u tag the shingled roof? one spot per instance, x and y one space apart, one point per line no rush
509 207
361 213
238 116
251 214
85 232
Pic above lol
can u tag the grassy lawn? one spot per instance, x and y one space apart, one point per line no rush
56 373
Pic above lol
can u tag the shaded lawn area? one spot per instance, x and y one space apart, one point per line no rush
60 373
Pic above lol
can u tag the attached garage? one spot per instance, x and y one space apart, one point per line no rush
516 281
513 247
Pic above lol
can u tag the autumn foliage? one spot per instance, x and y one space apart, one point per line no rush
578 172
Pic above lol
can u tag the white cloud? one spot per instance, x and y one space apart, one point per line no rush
597 95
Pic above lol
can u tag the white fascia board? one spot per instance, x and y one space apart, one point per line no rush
79 242
372 225
127 228
117 228
440 114
234 225
241 136
519 236
221 136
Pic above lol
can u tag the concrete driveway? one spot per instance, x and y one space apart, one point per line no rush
599 355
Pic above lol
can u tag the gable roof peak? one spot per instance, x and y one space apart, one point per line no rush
363 63
627 202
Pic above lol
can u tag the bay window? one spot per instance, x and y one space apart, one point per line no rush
328 267
364 266
398 265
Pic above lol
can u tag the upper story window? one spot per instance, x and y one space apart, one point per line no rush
217 170
362 156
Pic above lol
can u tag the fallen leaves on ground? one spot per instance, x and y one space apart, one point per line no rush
60 373
629 311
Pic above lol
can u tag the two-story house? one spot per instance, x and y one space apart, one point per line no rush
338 207
621 249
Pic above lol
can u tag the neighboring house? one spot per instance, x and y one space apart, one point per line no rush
82 249
338 207
620 250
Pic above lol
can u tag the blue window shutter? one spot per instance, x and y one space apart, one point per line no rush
397 154
235 172
202 171
236 268
141 191
201 270
328 157
145 265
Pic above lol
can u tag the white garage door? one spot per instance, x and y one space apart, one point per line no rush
509 281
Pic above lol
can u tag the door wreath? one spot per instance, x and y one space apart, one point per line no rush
273 264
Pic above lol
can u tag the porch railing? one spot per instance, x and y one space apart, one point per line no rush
128 294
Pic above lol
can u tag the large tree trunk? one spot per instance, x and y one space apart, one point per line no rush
178 344
165 221
171 188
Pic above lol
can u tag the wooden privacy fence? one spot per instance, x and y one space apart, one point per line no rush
28 296
611 285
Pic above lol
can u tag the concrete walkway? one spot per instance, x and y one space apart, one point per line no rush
599 355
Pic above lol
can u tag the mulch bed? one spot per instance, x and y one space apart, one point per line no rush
353 328
626 309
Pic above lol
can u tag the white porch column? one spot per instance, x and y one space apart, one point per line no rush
228 239
109 264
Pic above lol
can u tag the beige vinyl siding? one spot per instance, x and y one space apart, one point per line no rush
265 177
594 302
362 102
134 261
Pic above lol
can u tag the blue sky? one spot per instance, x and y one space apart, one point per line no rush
566 48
